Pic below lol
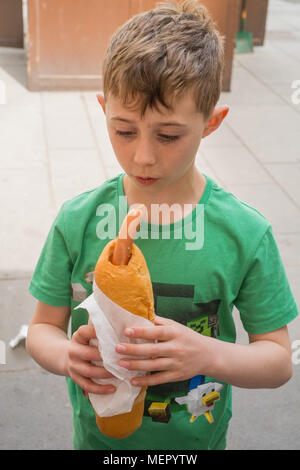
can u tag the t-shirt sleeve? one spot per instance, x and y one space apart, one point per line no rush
265 300
52 275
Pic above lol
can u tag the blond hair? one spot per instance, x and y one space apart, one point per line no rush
159 55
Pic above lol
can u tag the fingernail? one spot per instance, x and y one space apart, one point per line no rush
121 348
135 382
129 331
109 389
124 363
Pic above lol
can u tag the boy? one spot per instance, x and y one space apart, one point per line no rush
162 80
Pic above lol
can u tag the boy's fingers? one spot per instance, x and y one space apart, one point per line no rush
154 379
85 352
90 371
144 349
98 372
88 386
93 354
85 333
160 333
158 364
162 320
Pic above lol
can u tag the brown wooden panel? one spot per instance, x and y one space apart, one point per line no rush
256 20
139 6
67 40
226 14
11 23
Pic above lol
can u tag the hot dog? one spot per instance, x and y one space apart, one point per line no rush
122 274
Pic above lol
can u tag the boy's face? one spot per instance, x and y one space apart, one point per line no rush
161 145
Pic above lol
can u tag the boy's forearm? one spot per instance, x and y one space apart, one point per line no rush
47 345
262 364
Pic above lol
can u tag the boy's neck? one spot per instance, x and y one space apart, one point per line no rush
187 191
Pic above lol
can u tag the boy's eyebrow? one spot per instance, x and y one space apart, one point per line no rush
171 123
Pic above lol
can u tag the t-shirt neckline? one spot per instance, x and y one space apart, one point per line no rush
174 225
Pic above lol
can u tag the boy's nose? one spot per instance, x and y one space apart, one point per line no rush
144 153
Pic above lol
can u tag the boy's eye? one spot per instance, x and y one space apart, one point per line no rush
164 137
169 138
124 133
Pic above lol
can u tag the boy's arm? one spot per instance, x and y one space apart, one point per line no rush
182 353
264 363
47 342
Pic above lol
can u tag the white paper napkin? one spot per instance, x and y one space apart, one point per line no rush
110 321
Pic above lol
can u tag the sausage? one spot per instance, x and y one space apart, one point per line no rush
122 250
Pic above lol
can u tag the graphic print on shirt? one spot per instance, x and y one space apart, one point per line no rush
179 303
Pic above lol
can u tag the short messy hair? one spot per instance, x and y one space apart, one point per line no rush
159 55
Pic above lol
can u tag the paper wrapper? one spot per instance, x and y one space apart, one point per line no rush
110 321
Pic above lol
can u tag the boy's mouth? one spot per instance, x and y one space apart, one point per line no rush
146 180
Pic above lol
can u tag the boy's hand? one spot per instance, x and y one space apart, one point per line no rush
79 366
179 353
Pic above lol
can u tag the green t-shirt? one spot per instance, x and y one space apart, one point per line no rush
222 254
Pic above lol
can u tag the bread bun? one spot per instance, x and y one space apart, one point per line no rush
130 287
127 285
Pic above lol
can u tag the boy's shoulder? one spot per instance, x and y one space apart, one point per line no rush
89 200
236 215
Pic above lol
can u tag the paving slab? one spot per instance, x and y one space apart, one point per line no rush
35 411
97 122
67 181
289 244
35 408
272 67
272 201
17 308
72 132
236 165
224 138
286 42
204 165
26 218
269 131
288 177
21 132
248 88
262 419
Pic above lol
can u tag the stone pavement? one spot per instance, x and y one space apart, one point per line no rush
54 145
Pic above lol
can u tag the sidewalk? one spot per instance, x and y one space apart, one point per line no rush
54 145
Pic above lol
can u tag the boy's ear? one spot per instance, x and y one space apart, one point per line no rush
215 120
101 100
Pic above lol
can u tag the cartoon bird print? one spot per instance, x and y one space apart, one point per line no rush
201 400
